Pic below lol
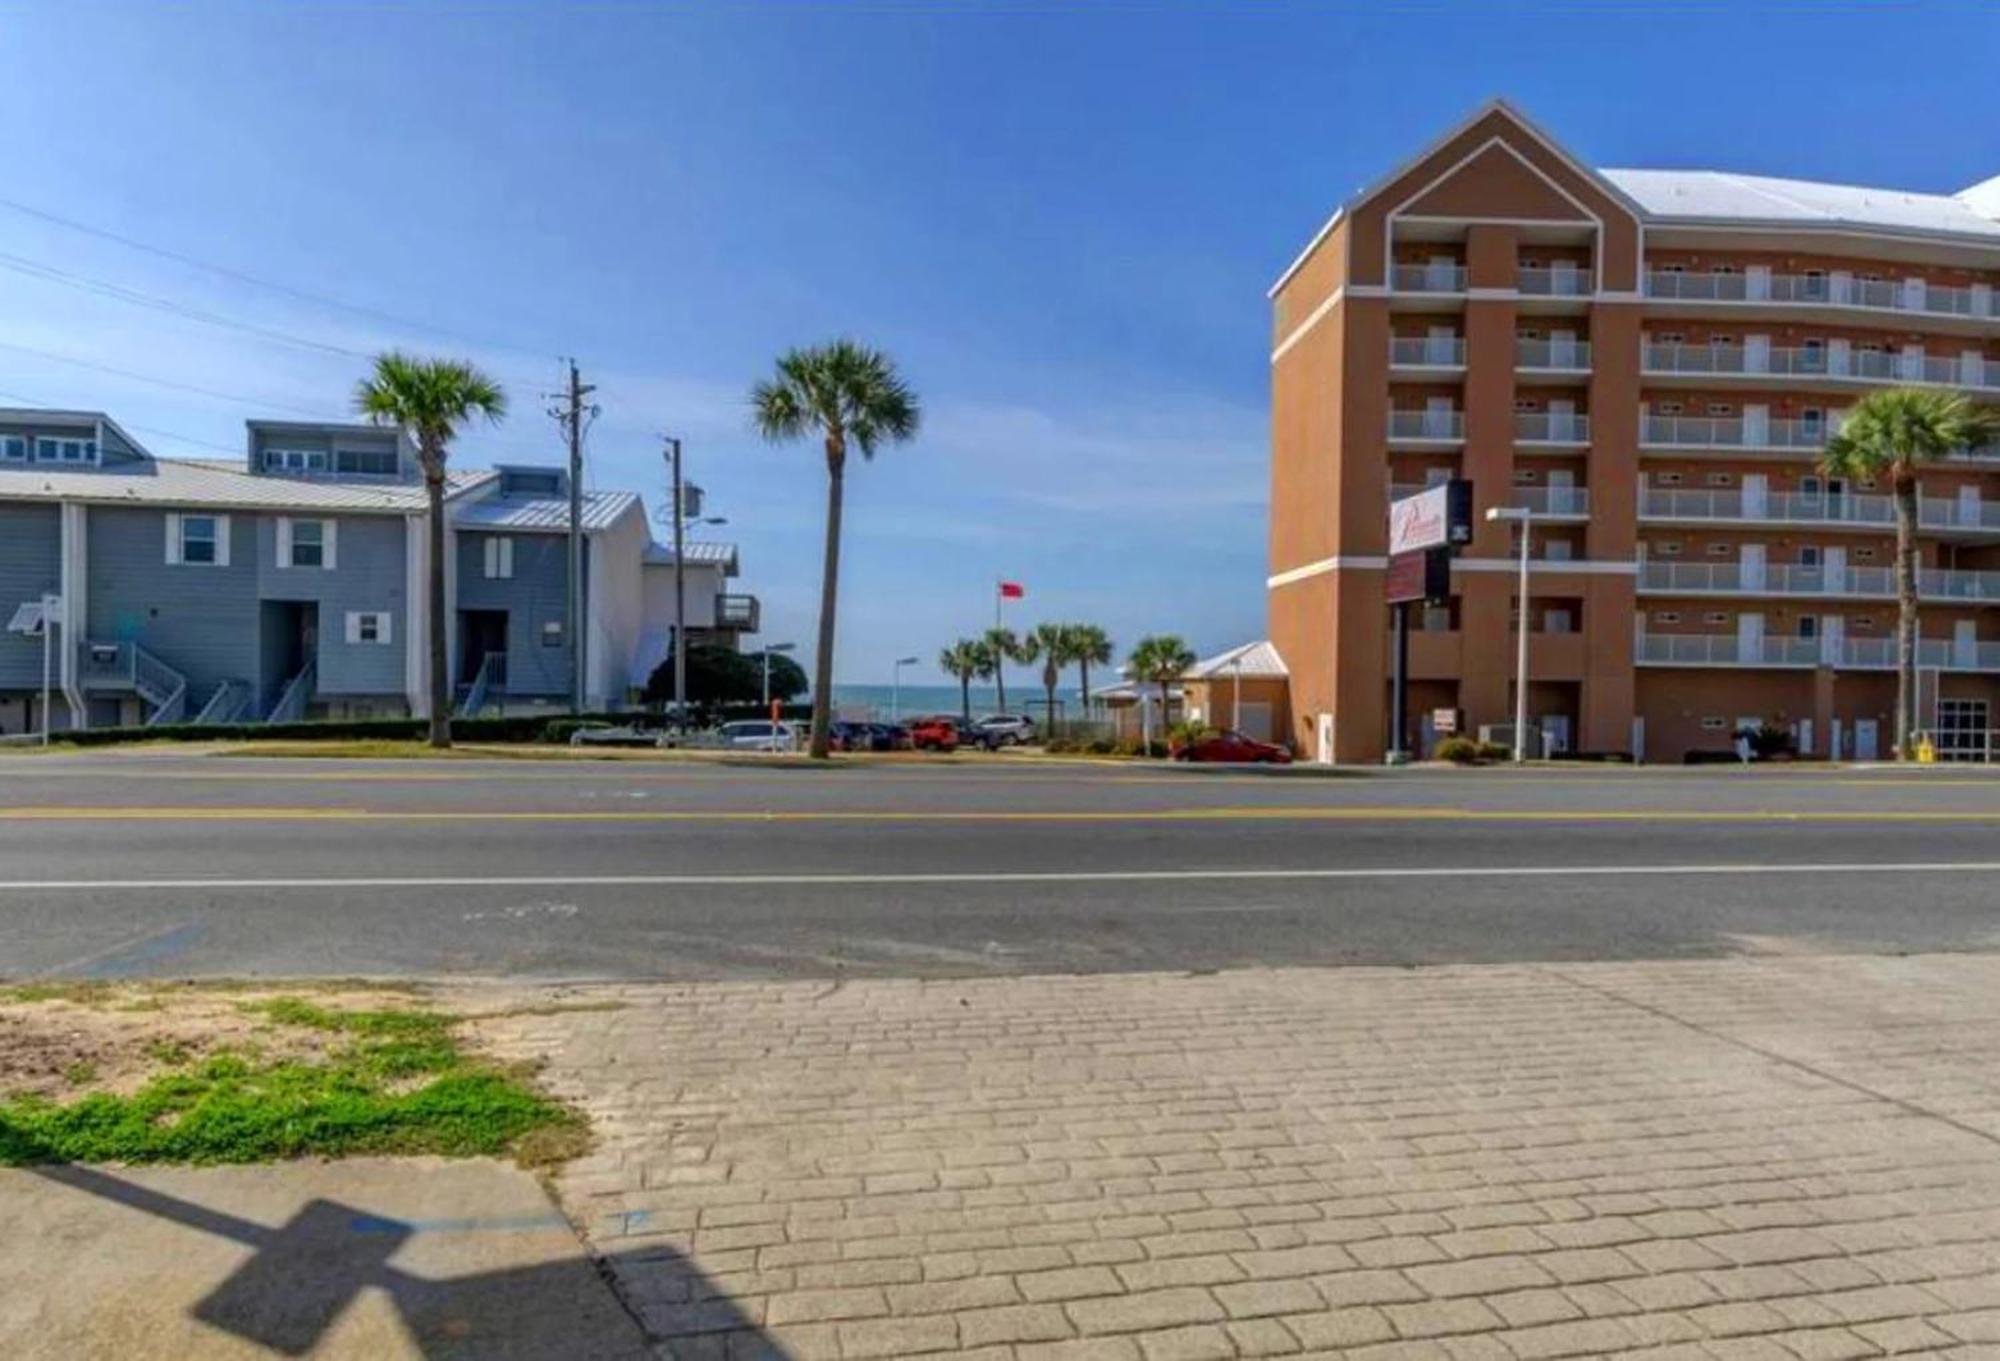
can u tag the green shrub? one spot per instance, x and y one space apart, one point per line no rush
1189 731
1495 751
1057 746
1460 751
1102 746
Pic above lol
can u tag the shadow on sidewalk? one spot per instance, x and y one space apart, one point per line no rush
306 1273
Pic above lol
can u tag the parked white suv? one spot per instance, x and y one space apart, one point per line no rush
758 734
1006 730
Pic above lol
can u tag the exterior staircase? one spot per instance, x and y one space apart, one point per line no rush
226 705
127 668
492 675
291 705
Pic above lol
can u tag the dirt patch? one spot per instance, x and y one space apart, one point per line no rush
61 1041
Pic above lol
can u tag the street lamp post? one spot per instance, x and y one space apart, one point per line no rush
774 647
1236 693
1526 519
896 688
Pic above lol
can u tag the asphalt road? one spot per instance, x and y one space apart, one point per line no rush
144 864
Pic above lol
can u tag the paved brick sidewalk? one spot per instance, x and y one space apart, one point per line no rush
1773 1157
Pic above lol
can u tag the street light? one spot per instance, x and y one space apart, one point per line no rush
774 647
1526 519
896 688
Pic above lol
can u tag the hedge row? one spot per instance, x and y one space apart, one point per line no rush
515 728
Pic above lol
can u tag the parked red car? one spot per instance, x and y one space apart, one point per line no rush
934 734
1232 746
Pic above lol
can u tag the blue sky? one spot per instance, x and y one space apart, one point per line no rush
1059 218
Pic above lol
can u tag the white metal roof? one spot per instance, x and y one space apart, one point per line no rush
1250 661
721 555
545 514
1722 196
224 486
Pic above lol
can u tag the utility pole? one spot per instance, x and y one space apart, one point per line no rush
680 585
570 416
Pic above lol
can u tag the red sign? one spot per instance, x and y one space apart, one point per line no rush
1418 576
1012 590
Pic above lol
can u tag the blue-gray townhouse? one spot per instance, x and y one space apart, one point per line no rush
292 585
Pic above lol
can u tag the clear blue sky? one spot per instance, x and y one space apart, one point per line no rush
1060 219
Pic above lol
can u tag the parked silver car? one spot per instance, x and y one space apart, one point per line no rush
756 734
1005 730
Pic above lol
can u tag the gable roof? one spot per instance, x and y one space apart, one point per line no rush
703 554
223 486
545 514
1251 661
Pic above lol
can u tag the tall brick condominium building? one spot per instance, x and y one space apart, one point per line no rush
1649 361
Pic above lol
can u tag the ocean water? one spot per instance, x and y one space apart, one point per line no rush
876 701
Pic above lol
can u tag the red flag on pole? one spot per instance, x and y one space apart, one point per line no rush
1012 590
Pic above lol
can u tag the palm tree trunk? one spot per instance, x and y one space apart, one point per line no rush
440 735
1166 723
1049 687
1906 615
829 595
965 694
1000 681
1083 664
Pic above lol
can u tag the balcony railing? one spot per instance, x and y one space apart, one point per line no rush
1966 371
1427 425
1551 500
1780 578
742 612
1551 427
1827 290
1732 432
1436 352
1813 508
1556 281
1865 654
1564 356
1428 278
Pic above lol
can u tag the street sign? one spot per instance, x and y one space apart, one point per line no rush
1444 720
1435 517
1424 575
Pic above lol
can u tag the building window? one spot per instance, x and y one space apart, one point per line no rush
1670 408
1721 409
1671 338
1808 626
1866 621
295 460
1713 724
1522 476
1670 479
1864 555
370 627
1667 617
499 557
49 449
1557 621
198 542
14 447
305 543
1721 479
1525 404
552 633
1718 550
1556 550
1809 555
1716 617
1670 549
370 462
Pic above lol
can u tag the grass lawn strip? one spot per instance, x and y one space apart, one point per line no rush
192 1075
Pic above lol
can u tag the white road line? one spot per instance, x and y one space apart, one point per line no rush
1004 877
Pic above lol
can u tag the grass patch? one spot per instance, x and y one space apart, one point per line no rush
397 1083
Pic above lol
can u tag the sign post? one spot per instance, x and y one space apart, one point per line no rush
1424 531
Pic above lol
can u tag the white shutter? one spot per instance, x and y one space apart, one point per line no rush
384 628
492 551
222 541
507 558
354 626
329 543
284 541
173 538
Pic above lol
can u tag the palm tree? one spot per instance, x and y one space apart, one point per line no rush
846 393
431 400
1093 648
964 659
1054 646
1892 434
1161 658
1003 646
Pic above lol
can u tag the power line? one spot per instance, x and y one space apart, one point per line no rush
313 413
37 402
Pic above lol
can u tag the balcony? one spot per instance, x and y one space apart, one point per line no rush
1552 356
1427 352
1556 281
1814 508
1551 427
1731 432
1859 654
1433 278
1427 427
742 613
1781 579
1571 503
1821 363
1824 290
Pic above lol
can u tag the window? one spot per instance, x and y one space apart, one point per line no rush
1557 550
1808 626
1721 409
1724 269
1809 555
1557 621
1714 724
1865 621
305 543
1666 617
13 447
1670 549
372 462
1670 408
1671 337
369 627
1720 342
1436 477
1864 555
1716 617
1718 550
552 633
200 541
1525 404
49 449
499 557
1528 333
1670 479
1525 475
295 460
1720 479
1673 269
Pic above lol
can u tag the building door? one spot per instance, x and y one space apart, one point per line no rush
1969 509
1555 734
1834 561
1757 283
1756 354
1442 276
1756 495
1832 638
1324 739
1802 735
480 632
1965 645
1562 418
1638 737
1437 415
1562 350
1749 638
1865 744
1834 734
1756 425
1563 499
1750 567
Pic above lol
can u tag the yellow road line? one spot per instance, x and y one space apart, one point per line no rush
1267 814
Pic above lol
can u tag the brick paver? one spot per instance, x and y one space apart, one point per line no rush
1790 1156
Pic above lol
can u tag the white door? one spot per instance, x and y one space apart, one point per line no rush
1750 570
1802 733
1555 733
1441 277
1749 638
1865 748
1971 369
1832 638
1562 349
1638 737
1757 282
1562 418
1969 511
1324 739
1438 345
1562 492
1965 644
1913 294
1911 367
1756 425
1756 495
1834 734
1835 563
1837 360
1756 354
1437 415
1840 287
